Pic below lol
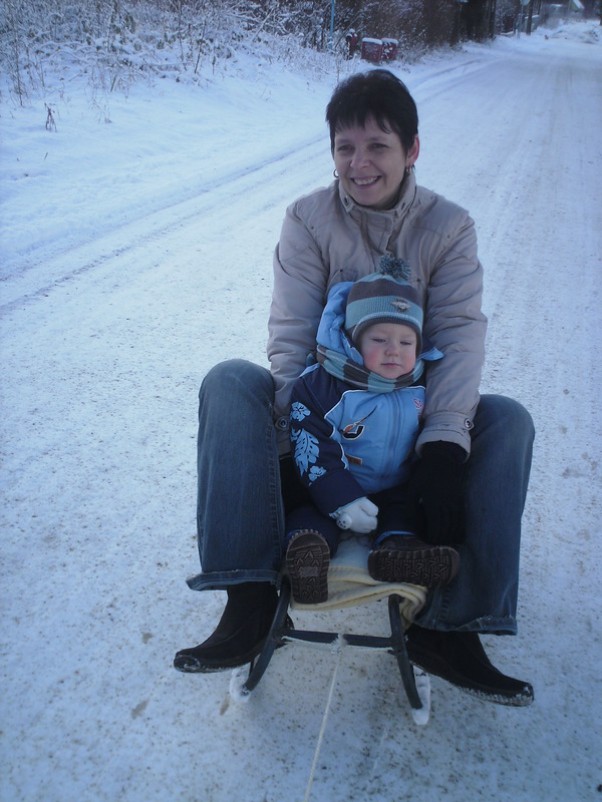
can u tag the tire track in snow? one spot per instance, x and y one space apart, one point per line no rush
238 187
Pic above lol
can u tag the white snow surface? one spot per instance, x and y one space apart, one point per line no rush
136 252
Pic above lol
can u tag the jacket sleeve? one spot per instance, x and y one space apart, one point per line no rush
319 460
455 324
298 298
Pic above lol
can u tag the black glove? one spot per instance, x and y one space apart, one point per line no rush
437 489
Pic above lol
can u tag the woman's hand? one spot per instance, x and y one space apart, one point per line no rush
359 516
437 489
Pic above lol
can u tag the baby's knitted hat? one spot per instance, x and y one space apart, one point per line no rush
384 297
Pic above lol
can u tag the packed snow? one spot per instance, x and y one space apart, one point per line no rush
136 245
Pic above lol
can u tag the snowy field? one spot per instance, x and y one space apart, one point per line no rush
136 252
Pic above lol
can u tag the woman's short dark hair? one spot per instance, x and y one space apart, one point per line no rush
378 94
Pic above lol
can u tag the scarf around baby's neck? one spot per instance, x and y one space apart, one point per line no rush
344 368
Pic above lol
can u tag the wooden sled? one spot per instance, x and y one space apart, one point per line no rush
349 584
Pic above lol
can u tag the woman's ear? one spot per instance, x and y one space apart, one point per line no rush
413 152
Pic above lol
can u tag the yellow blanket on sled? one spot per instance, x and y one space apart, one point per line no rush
349 583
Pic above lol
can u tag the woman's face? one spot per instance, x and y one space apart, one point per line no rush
371 163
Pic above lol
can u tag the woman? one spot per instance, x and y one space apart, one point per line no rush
474 452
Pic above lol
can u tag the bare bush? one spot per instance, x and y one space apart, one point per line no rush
115 42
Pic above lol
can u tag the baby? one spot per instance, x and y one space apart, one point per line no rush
355 417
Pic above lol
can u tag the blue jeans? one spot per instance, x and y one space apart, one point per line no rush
240 512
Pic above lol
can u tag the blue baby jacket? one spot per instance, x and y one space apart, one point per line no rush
350 442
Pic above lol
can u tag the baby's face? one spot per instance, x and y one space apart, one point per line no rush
389 349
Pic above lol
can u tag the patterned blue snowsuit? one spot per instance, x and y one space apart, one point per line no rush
349 442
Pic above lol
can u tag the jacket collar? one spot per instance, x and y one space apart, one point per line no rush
408 193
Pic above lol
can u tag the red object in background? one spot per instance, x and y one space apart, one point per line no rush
372 50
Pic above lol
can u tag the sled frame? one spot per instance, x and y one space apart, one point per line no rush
283 631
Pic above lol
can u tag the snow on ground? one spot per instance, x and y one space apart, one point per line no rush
136 252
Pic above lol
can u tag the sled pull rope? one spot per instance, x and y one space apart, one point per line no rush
324 723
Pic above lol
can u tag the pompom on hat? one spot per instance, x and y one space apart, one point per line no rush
384 297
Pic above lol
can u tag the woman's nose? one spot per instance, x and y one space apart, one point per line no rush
360 157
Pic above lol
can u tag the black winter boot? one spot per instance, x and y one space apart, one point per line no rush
459 658
307 560
401 558
240 634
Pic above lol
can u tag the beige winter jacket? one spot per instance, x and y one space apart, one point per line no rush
327 238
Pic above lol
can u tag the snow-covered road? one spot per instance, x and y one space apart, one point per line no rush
135 255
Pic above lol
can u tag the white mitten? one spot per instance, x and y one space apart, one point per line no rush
359 516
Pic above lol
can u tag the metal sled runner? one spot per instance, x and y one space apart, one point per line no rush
350 584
